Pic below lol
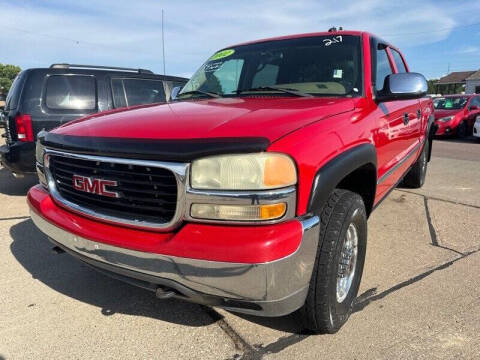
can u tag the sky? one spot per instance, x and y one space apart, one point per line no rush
435 36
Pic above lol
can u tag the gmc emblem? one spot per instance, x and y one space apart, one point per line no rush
94 186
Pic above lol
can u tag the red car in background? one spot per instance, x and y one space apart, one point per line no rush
455 114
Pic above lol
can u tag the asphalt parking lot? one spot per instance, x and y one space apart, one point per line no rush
419 296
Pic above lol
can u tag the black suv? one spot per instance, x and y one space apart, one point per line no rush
45 98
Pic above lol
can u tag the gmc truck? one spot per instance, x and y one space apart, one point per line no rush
252 190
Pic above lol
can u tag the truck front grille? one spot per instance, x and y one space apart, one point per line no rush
146 194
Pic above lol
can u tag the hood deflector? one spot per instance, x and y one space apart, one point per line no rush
181 150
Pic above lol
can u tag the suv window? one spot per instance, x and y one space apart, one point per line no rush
71 92
130 91
13 95
398 61
383 69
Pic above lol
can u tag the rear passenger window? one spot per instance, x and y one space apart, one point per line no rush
383 69
129 92
398 61
71 92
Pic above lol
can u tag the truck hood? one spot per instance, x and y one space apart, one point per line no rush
267 117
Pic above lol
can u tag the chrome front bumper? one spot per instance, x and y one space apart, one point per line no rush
270 289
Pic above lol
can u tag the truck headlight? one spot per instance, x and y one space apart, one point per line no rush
258 171
445 119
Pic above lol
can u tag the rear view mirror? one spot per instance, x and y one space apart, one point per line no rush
175 92
403 86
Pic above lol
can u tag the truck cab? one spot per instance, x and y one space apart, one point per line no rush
251 191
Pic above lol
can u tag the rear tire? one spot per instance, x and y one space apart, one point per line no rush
339 263
415 178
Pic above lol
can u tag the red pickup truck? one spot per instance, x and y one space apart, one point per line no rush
251 191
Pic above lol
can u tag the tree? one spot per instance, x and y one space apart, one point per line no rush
431 86
7 75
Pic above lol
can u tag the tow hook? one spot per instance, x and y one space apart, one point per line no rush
162 293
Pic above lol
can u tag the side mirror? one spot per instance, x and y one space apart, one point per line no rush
175 92
403 86
474 107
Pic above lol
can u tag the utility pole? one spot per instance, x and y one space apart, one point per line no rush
163 46
448 69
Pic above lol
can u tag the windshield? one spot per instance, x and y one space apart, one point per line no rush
320 66
450 103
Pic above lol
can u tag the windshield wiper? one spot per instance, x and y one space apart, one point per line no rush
208 93
281 89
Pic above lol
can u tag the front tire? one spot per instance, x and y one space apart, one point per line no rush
339 263
462 130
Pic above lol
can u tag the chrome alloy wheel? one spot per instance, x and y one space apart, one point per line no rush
347 263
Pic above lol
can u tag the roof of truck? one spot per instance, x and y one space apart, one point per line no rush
295 36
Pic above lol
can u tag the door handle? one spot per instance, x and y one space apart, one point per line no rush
406 119
419 114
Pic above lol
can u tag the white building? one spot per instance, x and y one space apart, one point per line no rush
472 83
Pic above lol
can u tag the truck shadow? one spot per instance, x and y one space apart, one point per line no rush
70 277
15 187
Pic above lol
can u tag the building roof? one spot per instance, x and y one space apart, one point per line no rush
474 76
456 77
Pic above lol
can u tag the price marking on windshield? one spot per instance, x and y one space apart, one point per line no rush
335 40
222 54
211 67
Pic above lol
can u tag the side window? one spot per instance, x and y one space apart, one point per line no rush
71 92
13 95
383 69
130 92
398 61
118 93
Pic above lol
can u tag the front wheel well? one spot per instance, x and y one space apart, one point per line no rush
362 181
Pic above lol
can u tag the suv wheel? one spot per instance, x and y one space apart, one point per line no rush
415 178
339 263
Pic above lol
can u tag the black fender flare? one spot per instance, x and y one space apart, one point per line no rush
332 173
431 130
